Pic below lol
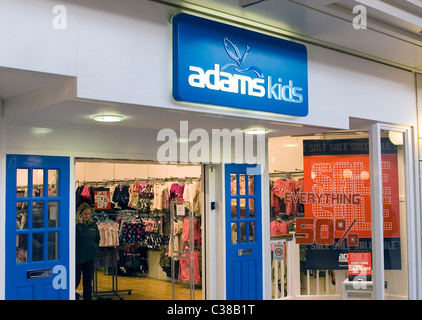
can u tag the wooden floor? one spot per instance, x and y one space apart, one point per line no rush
142 288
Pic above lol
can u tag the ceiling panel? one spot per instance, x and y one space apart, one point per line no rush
390 37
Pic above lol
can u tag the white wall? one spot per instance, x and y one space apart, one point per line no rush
340 85
121 52
285 154
100 171
30 42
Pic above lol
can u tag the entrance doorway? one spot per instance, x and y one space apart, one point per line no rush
149 250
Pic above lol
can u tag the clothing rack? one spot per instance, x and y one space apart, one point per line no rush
287 174
131 180
114 279
114 273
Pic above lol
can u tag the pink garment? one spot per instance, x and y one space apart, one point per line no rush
185 233
275 202
176 191
85 192
184 267
279 187
277 192
196 231
278 228
300 184
290 186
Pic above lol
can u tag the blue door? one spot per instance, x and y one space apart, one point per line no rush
37 227
243 232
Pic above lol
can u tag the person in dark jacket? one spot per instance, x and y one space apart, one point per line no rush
87 246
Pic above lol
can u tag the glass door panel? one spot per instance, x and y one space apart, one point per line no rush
37 226
394 214
243 232
184 254
327 210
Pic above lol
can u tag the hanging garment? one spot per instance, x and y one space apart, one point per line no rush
176 191
157 203
134 195
166 198
85 192
196 231
144 205
290 186
192 193
146 190
189 192
109 234
176 241
279 228
277 195
184 268
132 232
121 196
81 198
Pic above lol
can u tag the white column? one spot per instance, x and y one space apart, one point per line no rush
2 206
376 212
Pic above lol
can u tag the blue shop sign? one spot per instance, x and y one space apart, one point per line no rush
219 64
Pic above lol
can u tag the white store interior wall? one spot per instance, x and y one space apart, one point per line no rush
102 171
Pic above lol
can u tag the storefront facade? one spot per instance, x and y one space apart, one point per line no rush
67 63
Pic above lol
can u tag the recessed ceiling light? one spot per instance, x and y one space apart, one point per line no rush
256 131
108 118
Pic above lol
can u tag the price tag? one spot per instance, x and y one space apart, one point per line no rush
180 210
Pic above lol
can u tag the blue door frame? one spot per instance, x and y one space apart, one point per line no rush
243 217
37 227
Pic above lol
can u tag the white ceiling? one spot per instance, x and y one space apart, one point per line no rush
402 17
391 24
79 114
14 82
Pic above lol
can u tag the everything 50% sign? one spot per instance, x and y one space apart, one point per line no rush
322 231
